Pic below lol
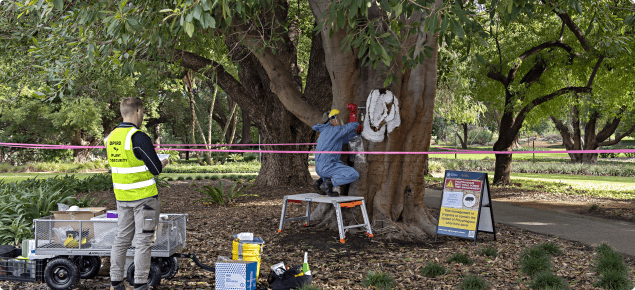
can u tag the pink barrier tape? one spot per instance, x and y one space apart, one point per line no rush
18 145
228 145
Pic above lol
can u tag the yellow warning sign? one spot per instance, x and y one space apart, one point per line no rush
450 183
458 218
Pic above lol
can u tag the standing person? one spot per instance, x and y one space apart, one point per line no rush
133 162
332 171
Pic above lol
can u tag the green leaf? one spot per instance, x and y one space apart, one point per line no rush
189 28
457 28
385 5
197 12
59 4
577 7
397 9
444 23
134 23
341 19
480 59
384 56
210 21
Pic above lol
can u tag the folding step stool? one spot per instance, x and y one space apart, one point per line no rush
338 202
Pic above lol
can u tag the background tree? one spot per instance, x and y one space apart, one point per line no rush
543 55
454 101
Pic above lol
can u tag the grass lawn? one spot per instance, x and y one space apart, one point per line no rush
601 186
13 177
492 156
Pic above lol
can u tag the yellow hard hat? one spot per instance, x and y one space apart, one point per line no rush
334 112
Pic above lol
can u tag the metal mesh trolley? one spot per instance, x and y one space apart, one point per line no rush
70 249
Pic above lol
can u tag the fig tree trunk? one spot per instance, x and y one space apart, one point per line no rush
392 185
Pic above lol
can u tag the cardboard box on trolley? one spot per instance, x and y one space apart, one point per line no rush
68 223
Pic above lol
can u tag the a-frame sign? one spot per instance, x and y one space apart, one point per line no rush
466 206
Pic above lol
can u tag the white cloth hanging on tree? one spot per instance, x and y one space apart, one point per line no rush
377 111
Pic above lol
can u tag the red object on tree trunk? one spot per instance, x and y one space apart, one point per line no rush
352 117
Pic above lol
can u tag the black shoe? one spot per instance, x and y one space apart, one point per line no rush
328 188
317 186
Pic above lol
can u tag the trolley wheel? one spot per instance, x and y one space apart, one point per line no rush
61 274
88 266
169 266
154 277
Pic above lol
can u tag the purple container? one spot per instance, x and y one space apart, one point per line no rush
112 214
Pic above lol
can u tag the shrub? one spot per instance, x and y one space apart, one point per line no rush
614 280
460 258
479 136
472 282
199 177
379 280
432 270
218 195
534 261
232 167
87 201
489 251
250 157
180 178
435 166
547 280
551 248
610 261
162 181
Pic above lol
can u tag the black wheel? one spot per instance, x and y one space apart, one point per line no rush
88 266
154 277
61 274
169 267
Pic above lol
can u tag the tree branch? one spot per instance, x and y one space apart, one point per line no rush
566 20
540 100
544 45
618 138
610 127
498 77
226 81
595 70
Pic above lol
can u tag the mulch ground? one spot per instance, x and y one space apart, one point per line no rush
343 266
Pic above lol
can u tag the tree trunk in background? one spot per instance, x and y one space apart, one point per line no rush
82 155
507 133
592 140
245 135
231 138
255 96
157 134
188 83
464 138
392 185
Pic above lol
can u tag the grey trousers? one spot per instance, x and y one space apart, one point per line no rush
138 219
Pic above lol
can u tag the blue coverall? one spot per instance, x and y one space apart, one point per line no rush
329 165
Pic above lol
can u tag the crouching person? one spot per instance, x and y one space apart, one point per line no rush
332 171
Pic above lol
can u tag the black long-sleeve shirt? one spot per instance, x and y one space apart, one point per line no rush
143 149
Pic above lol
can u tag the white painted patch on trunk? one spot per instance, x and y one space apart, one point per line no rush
377 112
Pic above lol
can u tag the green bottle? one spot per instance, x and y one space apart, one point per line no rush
305 265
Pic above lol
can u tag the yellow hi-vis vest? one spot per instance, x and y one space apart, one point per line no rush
130 177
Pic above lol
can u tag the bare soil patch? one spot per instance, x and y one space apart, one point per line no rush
343 266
